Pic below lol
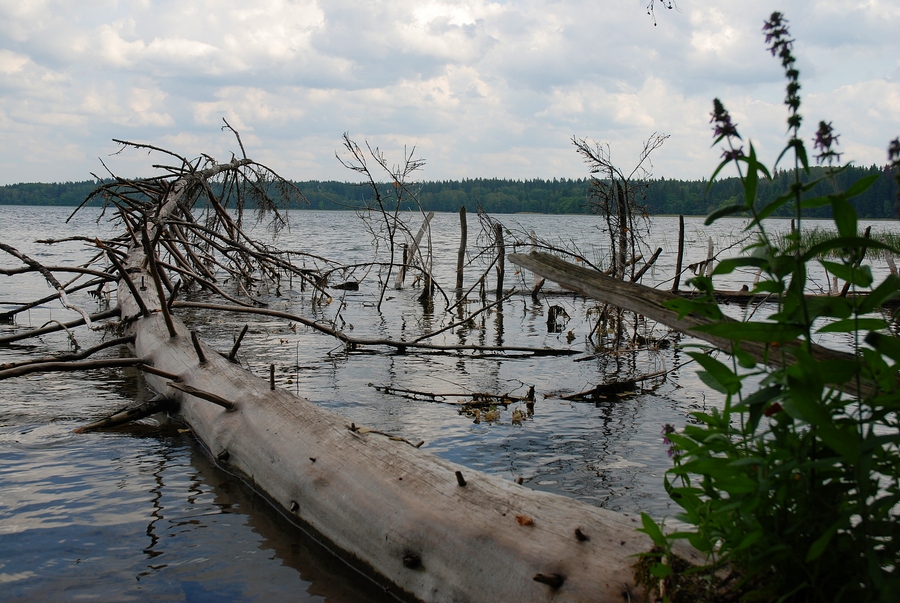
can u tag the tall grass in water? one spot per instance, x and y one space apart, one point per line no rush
816 237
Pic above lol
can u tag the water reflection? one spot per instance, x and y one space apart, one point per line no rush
144 515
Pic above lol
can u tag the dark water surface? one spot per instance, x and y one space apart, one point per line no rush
142 513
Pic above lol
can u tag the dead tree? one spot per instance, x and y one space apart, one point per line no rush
613 195
388 201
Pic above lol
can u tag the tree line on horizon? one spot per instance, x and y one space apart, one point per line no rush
556 196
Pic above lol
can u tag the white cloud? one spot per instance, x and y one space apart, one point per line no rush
483 88
12 63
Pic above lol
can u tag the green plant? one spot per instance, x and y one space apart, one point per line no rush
792 488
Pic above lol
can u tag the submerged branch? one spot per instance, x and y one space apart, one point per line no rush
151 407
57 327
72 357
56 366
356 342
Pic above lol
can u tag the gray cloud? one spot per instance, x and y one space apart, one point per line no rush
481 88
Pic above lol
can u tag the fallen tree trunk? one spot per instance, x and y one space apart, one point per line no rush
652 304
391 507
435 530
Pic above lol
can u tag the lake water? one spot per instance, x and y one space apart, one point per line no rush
141 513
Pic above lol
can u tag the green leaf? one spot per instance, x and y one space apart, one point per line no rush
744 359
886 344
751 181
887 290
862 185
801 155
832 306
805 403
821 543
769 286
711 381
757 402
749 540
813 202
702 544
716 171
850 325
749 460
725 211
769 209
660 570
683 307
717 375
844 216
652 530
731 264
861 276
768 332
838 371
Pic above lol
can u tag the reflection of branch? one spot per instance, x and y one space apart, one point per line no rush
477 398
358 342
467 319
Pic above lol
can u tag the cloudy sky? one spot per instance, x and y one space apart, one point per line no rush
481 88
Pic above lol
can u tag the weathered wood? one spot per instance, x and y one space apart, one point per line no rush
501 258
401 512
680 258
381 500
637 276
461 255
651 303
151 407
69 357
413 253
237 343
123 277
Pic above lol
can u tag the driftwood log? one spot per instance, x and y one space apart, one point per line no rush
435 530
652 303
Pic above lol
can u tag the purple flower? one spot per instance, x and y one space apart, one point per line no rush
824 140
666 430
894 152
724 127
732 154
781 44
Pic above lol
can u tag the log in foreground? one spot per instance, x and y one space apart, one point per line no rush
435 530
395 509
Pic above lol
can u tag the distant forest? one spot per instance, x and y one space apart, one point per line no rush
556 196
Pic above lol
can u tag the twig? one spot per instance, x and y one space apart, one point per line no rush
205 395
72 357
151 407
44 367
58 327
